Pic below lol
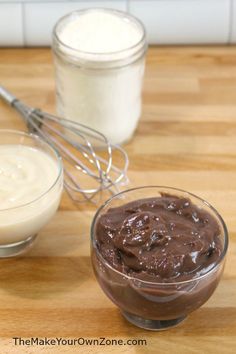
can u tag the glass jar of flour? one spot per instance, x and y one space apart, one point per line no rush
99 60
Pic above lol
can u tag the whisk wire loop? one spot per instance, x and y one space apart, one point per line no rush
85 151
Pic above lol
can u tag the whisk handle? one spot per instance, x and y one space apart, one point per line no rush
7 96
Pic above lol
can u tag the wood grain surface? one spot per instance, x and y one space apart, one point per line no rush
187 139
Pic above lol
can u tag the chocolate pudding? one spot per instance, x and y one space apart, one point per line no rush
162 239
158 258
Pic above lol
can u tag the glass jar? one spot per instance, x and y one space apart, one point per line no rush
101 90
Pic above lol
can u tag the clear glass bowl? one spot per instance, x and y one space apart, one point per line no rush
19 225
153 305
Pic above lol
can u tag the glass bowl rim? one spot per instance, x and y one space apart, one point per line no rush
119 13
43 142
200 277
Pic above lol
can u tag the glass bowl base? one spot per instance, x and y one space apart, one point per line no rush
152 325
15 249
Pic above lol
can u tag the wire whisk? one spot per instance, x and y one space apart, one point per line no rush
88 156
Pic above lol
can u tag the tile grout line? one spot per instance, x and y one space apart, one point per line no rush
231 18
23 24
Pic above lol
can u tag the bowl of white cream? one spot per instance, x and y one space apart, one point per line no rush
31 183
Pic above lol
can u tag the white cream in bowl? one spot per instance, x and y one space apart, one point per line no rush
31 183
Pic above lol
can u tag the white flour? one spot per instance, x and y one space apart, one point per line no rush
99 72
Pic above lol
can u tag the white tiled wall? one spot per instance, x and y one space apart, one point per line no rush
184 21
11 29
30 22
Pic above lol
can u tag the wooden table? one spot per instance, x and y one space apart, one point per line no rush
186 139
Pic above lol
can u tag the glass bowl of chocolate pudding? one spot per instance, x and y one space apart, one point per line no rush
158 253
